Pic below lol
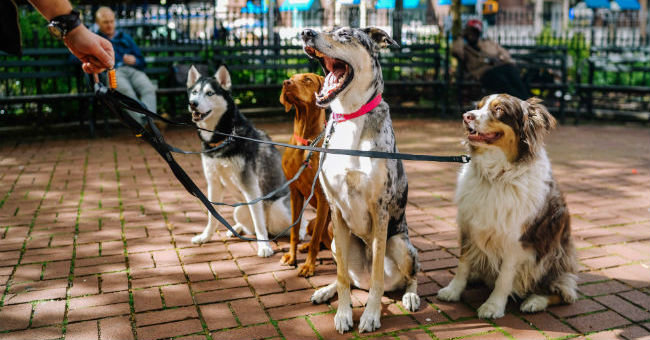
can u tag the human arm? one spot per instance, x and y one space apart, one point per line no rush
134 56
95 52
457 48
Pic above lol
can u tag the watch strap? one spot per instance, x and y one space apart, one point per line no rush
66 22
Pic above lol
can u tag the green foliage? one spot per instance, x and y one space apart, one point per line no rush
33 27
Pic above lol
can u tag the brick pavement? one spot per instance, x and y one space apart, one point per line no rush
95 244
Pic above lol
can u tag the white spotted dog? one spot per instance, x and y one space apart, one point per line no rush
367 196
514 224
246 169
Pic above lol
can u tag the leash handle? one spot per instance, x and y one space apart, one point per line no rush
112 79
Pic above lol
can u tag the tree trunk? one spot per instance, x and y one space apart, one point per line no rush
455 19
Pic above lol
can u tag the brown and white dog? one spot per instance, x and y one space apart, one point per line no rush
309 122
514 223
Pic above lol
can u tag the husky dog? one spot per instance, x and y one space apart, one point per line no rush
514 224
246 169
367 196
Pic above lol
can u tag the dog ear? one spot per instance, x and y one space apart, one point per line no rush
223 78
284 101
380 37
192 76
538 122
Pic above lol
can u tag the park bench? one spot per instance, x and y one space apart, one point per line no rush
41 82
543 70
616 83
418 72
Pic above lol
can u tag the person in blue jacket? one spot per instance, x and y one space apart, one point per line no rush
129 62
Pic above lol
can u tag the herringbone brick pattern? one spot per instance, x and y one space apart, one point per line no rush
95 244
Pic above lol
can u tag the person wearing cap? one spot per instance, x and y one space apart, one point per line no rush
488 62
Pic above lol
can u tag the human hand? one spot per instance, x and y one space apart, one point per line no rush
95 52
129 59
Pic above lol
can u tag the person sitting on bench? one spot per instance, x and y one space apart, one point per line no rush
129 63
488 62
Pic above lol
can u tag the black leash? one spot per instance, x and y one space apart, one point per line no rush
116 101
134 105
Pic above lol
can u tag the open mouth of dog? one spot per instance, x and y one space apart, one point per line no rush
478 137
198 116
338 75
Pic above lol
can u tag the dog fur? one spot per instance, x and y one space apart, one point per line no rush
246 169
513 220
367 196
309 121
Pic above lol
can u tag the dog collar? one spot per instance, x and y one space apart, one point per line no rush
301 140
341 117
214 145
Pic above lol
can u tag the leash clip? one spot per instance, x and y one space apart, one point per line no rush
465 158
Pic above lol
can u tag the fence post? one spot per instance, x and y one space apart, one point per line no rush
397 21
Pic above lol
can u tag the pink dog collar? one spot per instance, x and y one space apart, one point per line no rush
341 117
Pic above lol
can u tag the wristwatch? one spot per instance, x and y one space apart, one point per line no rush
60 26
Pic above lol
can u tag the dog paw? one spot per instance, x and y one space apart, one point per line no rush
490 310
288 260
369 320
449 294
323 295
264 250
200 238
306 270
343 320
411 302
303 248
534 303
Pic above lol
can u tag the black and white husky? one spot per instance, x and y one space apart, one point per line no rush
246 169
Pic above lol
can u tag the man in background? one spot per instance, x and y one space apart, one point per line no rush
129 63
488 62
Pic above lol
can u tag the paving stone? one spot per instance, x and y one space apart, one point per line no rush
171 329
597 321
223 295
48 313
15 316
291 311
86 330
579 307
296 329
43 333
116 328
249 311
177 295
146 299
166 315
602 288
623 307
460 329
96 312
252 333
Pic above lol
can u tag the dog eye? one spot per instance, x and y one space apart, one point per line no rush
195 92
209 93
307 80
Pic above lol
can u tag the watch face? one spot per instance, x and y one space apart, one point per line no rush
55 31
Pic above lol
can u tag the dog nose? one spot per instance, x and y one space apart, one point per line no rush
194 104
468 117
287 82
308 33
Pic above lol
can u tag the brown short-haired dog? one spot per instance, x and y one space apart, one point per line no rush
298 91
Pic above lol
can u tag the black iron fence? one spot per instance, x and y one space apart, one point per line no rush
262 48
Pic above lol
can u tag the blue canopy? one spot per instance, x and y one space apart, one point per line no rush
349 2
255 9
389 4
628 5
597 3
469 2
299 5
